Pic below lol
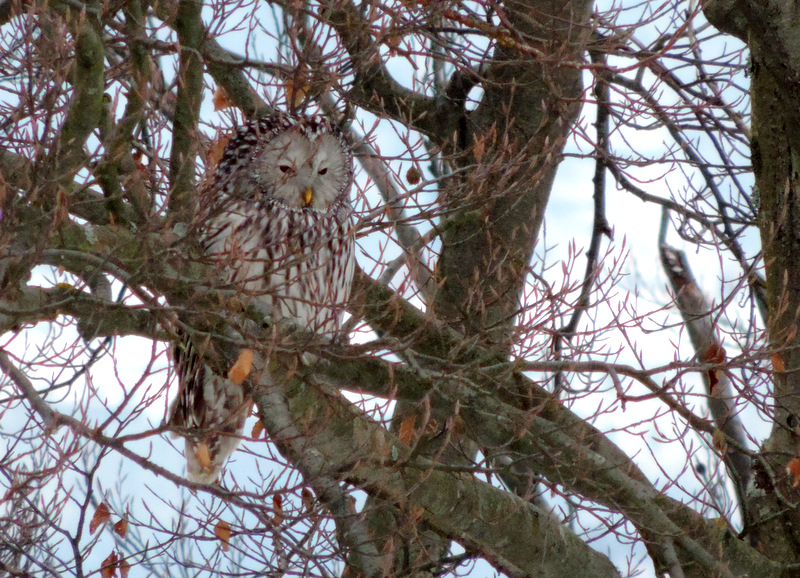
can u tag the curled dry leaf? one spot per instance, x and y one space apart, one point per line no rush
407 432
277 505
221 99
223 533
413 176
417 513
216 149
432 427
392 41
778 365
478 147
793 469
101 516
241 369
308 499
109 567
457 425
138 157
121 528
297 89
713 380
258 429
124 568
715 354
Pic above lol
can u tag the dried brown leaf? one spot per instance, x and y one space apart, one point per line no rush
277 505
297 89
457 424
221 99
392 41
124 568
241 369
778 365
109 567
407 432
137 160
479 147
223 533
308 499
413 176
101 516
715 354
432 427
121 528
216 149
793 469
258 429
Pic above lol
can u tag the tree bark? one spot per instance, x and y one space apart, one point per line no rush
775 90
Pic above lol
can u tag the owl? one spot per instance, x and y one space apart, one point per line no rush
276 218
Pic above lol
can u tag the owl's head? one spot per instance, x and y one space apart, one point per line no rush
299 162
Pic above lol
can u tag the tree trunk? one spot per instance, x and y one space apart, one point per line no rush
775 90
510 148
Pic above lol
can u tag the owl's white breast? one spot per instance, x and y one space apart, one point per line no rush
299 265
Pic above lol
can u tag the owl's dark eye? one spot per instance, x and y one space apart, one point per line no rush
285 169
322 171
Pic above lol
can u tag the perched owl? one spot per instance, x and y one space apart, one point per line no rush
276 217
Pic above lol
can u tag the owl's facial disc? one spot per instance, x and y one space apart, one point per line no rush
303 173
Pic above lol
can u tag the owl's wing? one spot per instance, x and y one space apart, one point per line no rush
210 410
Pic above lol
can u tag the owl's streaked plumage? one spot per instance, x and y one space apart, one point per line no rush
276 216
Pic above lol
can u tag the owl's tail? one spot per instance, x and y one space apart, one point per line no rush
210 412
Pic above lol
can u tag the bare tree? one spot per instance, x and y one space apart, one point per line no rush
584 374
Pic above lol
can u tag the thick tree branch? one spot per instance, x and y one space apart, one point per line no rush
117 172
386 311
319 472
225 69
373 87
727 16
377 463
96 317
223 66
189 26
86 105
698 317
85 203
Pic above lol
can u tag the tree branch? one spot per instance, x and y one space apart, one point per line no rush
697 315
456 505
373 87
86 105
600 226
189 26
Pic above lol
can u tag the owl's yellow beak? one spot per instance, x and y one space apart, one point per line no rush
308 196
